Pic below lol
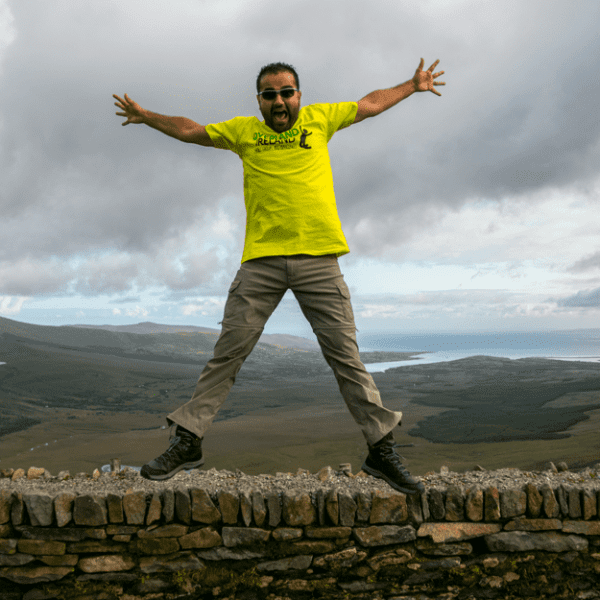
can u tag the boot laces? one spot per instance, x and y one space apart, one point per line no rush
389 453
178 442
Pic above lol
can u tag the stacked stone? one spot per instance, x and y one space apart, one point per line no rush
45 538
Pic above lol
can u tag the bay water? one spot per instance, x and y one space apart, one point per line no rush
577 345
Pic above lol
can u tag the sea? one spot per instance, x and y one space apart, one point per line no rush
572 345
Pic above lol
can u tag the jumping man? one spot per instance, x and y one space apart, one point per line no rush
293 241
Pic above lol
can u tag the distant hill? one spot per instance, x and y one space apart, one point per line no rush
275 339
70 368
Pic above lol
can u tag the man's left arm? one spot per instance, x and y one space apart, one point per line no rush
376 102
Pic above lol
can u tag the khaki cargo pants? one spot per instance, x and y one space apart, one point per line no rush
324 298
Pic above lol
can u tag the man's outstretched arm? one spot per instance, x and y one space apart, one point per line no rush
376 102
180 128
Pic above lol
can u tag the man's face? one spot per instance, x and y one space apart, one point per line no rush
280 114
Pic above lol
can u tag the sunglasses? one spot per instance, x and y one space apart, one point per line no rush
272 94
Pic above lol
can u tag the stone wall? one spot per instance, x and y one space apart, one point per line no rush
307 538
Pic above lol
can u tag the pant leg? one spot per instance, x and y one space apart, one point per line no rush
253 296
324 298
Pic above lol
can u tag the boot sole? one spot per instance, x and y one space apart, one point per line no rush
183 467
380 475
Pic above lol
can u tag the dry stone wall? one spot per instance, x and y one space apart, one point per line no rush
329 535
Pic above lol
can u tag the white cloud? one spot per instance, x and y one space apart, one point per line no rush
138 311
10 305
204 307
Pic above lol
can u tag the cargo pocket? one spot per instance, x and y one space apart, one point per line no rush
346 305
235 284
232 306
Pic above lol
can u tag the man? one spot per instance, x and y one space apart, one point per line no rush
293 240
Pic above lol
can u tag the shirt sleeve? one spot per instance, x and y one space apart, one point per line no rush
225 135
339 115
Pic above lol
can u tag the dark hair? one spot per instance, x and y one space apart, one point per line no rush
273 69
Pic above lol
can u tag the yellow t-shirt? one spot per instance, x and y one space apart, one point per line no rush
288 185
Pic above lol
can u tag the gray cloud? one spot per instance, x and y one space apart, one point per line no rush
588 263
518 115
582 299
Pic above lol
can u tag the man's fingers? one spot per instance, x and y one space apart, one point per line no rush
436 92
420 67
433 66
438 74
439 83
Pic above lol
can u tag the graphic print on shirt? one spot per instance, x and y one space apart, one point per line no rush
283 141
303 144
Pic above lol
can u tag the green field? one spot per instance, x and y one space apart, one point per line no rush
73 398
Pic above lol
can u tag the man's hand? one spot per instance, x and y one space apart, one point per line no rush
424 80
376 102
132 110
179 128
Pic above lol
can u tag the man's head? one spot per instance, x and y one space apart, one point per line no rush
280 112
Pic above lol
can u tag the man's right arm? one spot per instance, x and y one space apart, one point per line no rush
180 128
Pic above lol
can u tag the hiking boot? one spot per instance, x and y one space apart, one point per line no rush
184 452
384 463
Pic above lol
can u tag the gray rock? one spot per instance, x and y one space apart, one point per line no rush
298 508
90 510
17 509
550 504
286 564
6 499
522 541
437 505
589 507
178 561
222 553
491 509
15 560
183 505
229 506
321 505
40 508
332 506
63 508
474 504
237 536
563 500
274 508
535 501
168 505
110 563
455 504
415 509
204 509
363 506
134 506
259 510
114 505
384 535
425 507
431 548
513 503
246 507
347 509
574 496
32 574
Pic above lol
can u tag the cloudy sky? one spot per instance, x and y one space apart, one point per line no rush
476 210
